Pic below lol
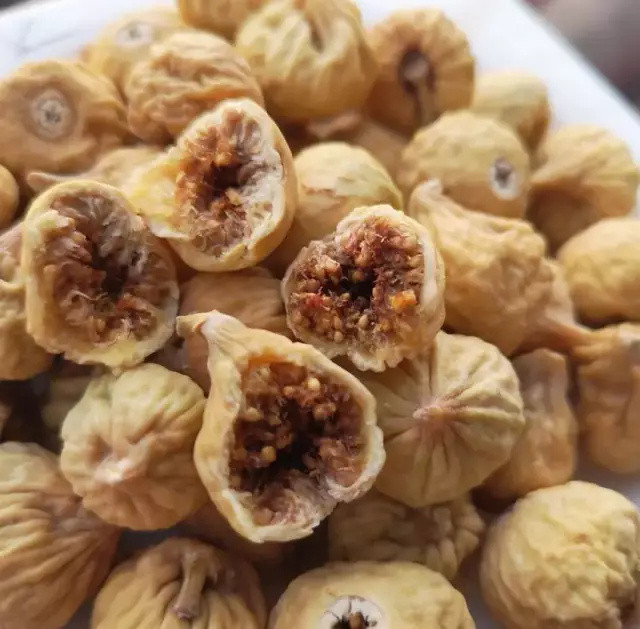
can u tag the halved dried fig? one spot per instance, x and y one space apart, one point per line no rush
9 197
394 595
53 553
225 195
223 16
378 528
287 434
182 77
426 69
100 288
178 583
372 290
497 279
311 57
480 163
58 116
583 174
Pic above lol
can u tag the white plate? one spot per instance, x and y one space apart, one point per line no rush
503 34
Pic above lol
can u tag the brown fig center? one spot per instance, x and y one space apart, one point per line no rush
504 179
417 78
352 612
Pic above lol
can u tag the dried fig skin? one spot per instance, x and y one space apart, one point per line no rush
223 18
331 51
183 77
371 291
178 582
300 486
564 556
371 594
480 163
53 553
224 197
9 197
426 69
100 288
58 116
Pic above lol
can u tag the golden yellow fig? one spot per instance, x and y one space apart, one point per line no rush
223 16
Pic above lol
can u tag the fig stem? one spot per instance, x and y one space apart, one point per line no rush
417 77
187 605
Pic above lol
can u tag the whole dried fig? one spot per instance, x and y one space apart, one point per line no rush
311 57
394 595
225 195
9 197
178 583
100 288
565 557
583 174
287 434
223 16
426 69
546 452
450 418
372 290
58 116
128 447
480 163
182 77
53 553
518 99
497 278
377 528
334 178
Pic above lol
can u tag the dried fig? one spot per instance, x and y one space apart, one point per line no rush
584 174
223 17
545 454
426 69
184 76
100 288
287 434
518 99
398 595
311 57
58 116
9 197
251 295
377 528
497 278
53 553
479 162
128 447
372 290
602 268
334 178
178 583
450 418
122 43
565 557
225 195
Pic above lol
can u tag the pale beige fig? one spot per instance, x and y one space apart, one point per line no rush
602 268
450 418
53 554
224 196
124 42
100 288
607 368
565 557
311 57
546 453
372 290
182 77
497 277
518 99
334 178
394 595
9 197
480 163
287 434
583 174
181 583
223 16
251 295
58 116
128 447
426 69
378 528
